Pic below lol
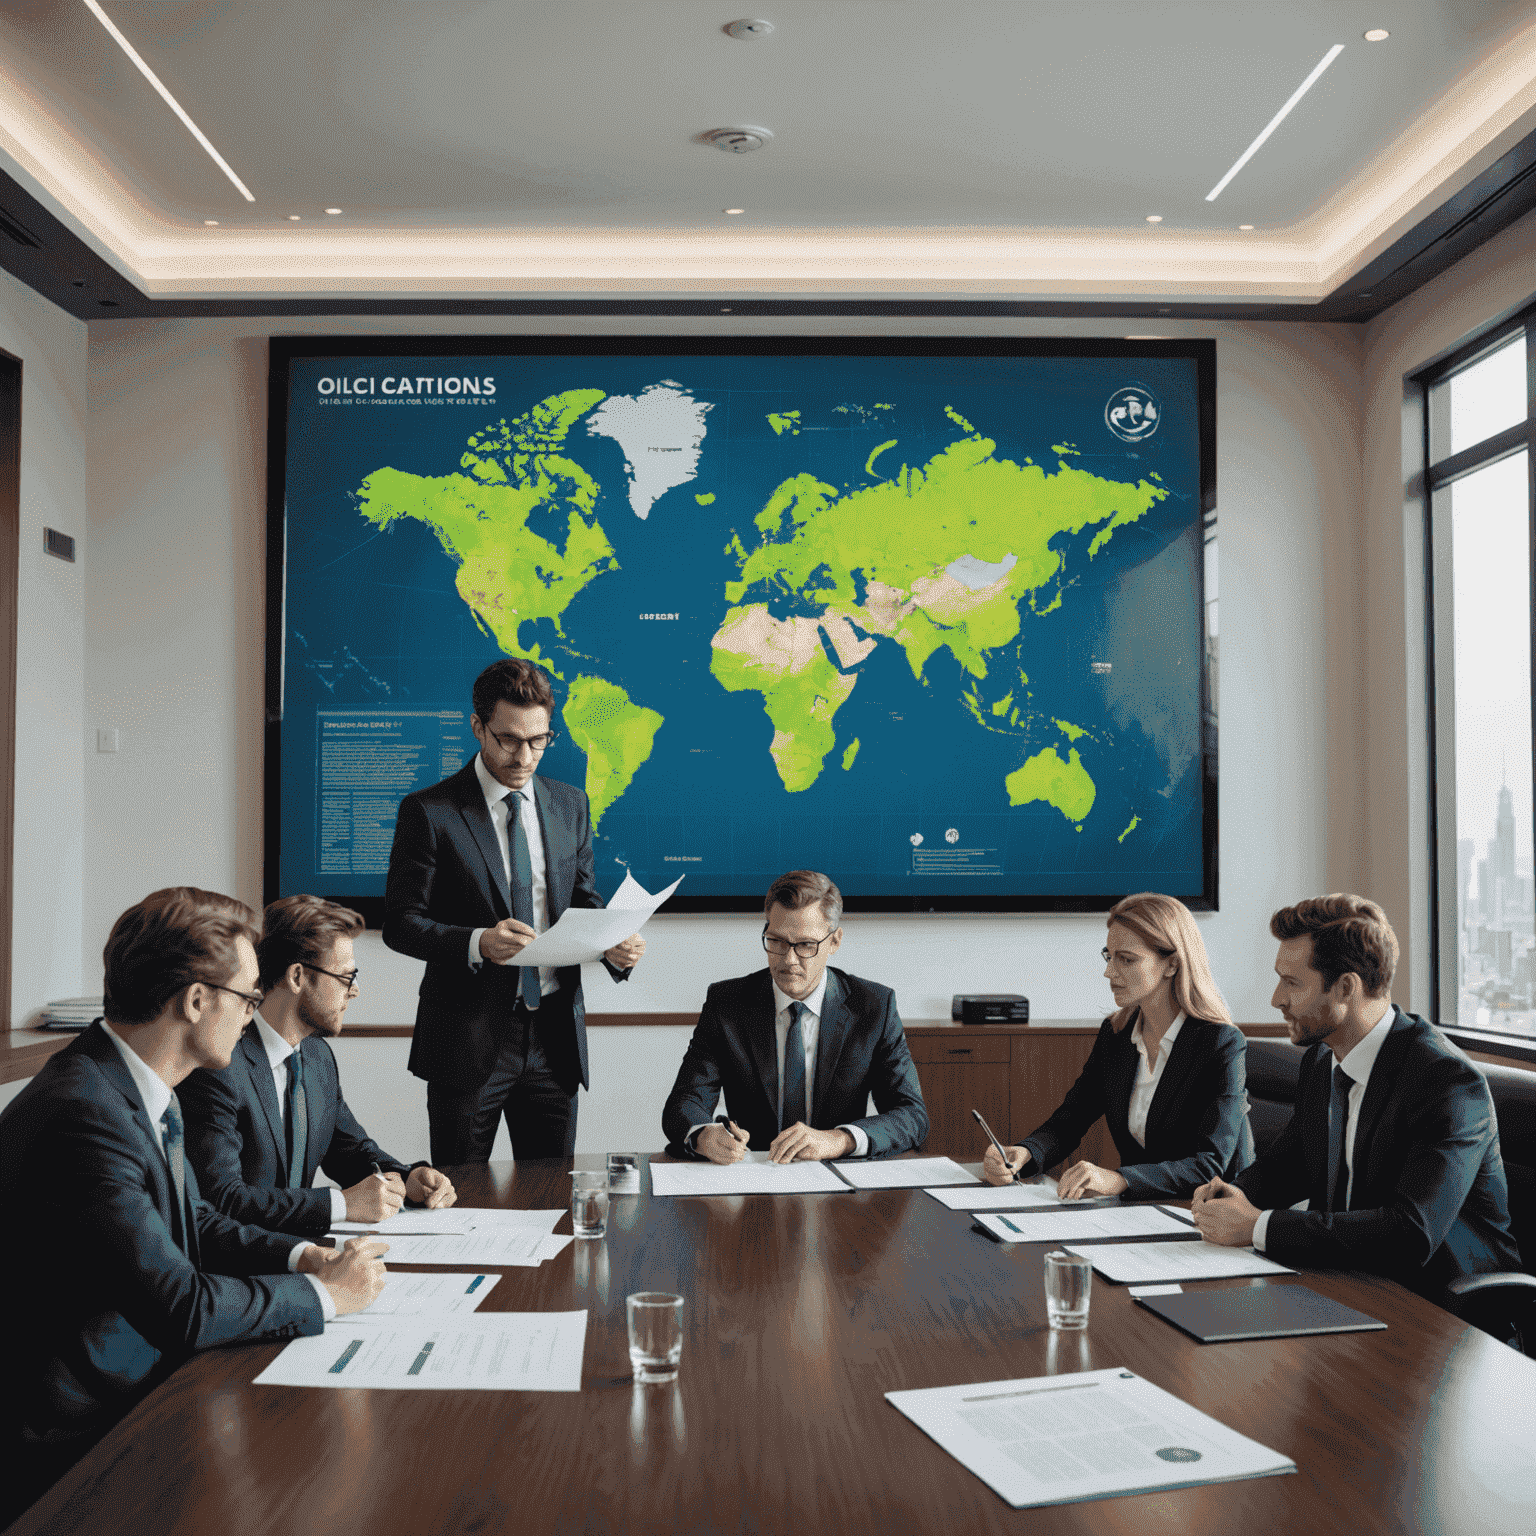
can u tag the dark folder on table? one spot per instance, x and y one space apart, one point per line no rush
1256 1312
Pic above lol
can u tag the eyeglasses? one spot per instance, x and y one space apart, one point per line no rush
1108 957
253 1000
348 979
510 744
805 948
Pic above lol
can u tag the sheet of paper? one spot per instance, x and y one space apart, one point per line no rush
1157 1263
744 1178
1064 1225
522 1221
496 1351
451 1220
998 1197
1154 1290
1058 1439
905 1173
587 933
492 1246
412 1295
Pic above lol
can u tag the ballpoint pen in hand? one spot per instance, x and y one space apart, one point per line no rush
1007 1166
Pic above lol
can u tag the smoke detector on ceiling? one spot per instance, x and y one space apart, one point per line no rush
748 28
737 141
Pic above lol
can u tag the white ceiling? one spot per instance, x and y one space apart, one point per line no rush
495 147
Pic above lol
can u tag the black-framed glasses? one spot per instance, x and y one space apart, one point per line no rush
348 979
805 948
252 1000
509 743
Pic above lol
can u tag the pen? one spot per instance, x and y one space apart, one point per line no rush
996 1143
728 1123
1011 1227
378 1172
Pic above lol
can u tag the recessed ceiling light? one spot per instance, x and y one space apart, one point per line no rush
1274 122
1377 35
197 133
1245 226
293 218
211 223
333 210
733 210
1154 218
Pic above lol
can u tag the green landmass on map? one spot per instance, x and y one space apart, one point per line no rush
851 753
616 734
508 575
1066 785
1134 822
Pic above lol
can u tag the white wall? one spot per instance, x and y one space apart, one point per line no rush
47 912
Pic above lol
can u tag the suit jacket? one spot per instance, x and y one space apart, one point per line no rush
237 1143
861 1050
1429 1202
1197 1123
112 1304
446 879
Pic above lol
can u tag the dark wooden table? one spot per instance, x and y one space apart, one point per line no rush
801 1312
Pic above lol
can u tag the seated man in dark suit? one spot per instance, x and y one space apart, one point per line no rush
134 1270
1393 1142
798 1049
257 1130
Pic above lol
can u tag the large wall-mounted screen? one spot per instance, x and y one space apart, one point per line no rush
929 615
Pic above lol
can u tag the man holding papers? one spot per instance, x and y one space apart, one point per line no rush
798 1048
1393 1143
260 1128
131 1269
482 863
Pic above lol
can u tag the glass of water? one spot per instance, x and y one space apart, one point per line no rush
655 1334
589 1203
623 1173
1068 1283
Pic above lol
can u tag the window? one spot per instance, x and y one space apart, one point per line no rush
1480 432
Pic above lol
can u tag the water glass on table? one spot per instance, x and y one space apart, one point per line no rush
1068 1284
623 1173
655 1335
589 1203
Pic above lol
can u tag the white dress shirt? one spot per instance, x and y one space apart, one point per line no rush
496 803
278 1051
810 1033
156 1097
1357 1067
1148 1075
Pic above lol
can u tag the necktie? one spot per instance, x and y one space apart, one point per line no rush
298 1121
175 1156
522 888
1338 1121
792 1099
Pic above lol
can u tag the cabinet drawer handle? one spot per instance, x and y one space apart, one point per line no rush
959 1050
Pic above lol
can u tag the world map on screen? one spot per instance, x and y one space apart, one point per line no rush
934 628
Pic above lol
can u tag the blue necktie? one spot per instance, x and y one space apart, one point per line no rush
298 1121
792 1099
1338 1121
175 1156
522 888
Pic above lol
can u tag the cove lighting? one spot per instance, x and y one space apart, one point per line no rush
1154 218
1274 122
333 210
197 133
1377 35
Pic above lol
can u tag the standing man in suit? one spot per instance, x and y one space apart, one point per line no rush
139 1270
798 1048
482 863
1393 1143
258 1129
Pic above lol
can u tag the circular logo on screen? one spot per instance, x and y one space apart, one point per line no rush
1132 413
916 839
1178 1453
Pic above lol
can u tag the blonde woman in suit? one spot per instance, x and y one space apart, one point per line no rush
1166 1072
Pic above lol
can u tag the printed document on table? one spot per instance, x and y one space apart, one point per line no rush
1062 1224
500 1351
451 1220
1157 1263
413 1295
744 1178
485 1245
1001 1197
1096 1434
905 1173
587 933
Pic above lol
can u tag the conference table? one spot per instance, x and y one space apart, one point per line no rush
801 1312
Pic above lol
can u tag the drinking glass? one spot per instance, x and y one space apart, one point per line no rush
589 1203
655 1334
623 1173
1068 1282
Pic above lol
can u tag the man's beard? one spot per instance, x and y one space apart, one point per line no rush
316 1019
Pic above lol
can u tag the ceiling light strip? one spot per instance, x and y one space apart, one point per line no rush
197 133
1274 122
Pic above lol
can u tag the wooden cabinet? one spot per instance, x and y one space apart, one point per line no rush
961 1071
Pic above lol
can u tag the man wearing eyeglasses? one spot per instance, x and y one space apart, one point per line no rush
798 1048
482 863
259 1129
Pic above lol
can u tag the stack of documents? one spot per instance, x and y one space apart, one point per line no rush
1158 1263
464 1236
1061 1224
73 1013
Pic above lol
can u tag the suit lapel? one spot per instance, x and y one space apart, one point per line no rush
104 1053
1120 1076
764 1043
477 817
1183 1056
554 893
1378 1090
831 1037
253 1060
